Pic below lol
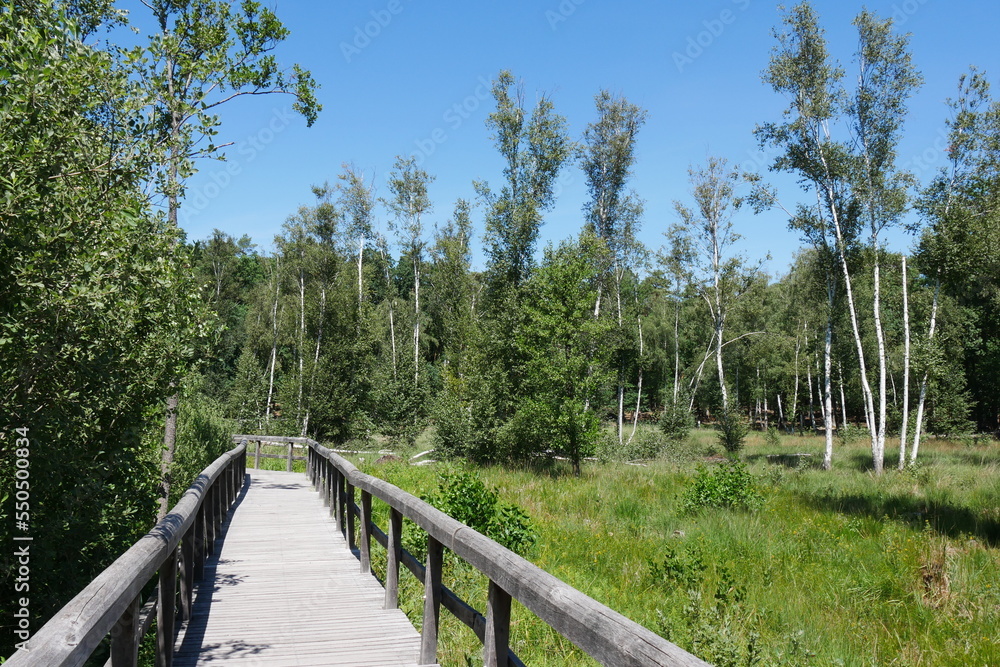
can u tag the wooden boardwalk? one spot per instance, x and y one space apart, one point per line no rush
285 590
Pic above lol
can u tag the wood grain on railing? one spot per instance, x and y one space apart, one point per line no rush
599 631
109 605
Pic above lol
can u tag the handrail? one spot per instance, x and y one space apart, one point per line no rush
601 632
109 605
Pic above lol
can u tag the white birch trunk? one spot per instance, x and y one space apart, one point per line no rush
923 383
878 452
828 378
906 371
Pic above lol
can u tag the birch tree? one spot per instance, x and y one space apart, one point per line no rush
711 227
854 181
613 213
534 145
409 203
204 55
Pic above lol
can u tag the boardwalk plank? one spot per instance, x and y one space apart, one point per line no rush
284 591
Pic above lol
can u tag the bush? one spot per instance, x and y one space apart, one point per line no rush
850 434
771 437
648 443
733 429
676 421
464 497
728 485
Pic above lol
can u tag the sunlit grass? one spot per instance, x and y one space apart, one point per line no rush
837 567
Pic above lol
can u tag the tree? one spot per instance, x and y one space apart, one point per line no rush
98 307
204 56
958 248
711 227
855 182
410 202
556 335
613 214
534 150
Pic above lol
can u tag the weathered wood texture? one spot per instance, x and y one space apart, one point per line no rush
107 605
599 631
285 590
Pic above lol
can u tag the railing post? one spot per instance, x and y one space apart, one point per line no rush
432 602
200 552
395 554
327 486
497 640
210 507
256 458
349 510
187 573
366 532
323 485
309 469
124 642
165 612
288 466
338 491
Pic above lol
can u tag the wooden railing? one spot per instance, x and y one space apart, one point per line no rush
174 550
596 629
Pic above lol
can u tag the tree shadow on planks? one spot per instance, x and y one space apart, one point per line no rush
191 649
942 517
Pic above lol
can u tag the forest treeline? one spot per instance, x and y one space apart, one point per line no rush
127 351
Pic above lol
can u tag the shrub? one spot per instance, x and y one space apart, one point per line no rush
733 429
850 434
771 437
648 443
676 421
728 485
464 497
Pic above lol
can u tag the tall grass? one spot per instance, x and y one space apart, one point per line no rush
837 567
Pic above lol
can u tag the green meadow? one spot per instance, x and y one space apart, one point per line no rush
835 567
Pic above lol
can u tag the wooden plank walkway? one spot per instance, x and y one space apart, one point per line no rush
284 590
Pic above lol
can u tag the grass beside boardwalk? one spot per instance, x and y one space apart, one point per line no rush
836 568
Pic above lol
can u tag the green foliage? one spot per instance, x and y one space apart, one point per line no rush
708 616
771 437
676 421
462 495
733 429
851 433
95 285
729 484
203 435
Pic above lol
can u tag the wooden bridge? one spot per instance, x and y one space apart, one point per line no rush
252 568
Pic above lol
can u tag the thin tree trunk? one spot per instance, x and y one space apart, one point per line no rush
677 347
638 397
812 406
302 342
906 371
169 439
878 453
719 318
918 423
361 253
170 419
416 321
828 376
621 361
795 394
274 343
843 401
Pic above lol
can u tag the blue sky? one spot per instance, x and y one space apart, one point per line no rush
405 77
